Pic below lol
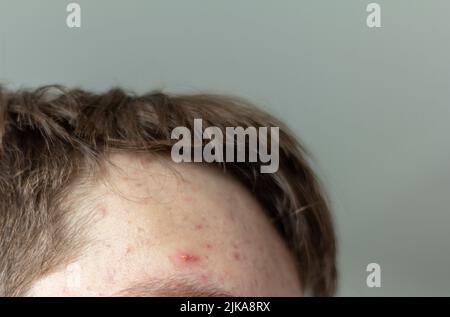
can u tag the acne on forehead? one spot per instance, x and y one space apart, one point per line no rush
207 226
220 225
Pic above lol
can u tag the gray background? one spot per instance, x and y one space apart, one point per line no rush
371 104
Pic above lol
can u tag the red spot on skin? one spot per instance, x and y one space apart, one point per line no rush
189 257
199 226
236 255
184 258
209 246
129 250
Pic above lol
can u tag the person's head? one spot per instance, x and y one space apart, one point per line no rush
91 202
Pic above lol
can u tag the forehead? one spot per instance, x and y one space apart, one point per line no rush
154 220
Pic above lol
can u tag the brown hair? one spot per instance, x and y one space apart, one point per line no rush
52 136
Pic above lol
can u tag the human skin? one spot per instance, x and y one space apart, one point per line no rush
167 229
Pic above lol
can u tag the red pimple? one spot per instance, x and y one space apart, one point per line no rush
236 255
199 226
209 246
189 257
184 258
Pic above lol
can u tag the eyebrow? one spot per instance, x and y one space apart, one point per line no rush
173 286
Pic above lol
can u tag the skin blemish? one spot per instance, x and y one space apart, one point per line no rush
237 255
129 250
199 226
189 258
184 258
208 246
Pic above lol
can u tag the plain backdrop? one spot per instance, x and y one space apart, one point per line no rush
372 105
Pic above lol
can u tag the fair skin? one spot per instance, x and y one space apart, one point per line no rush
167 229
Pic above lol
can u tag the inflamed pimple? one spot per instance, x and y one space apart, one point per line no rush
184 258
